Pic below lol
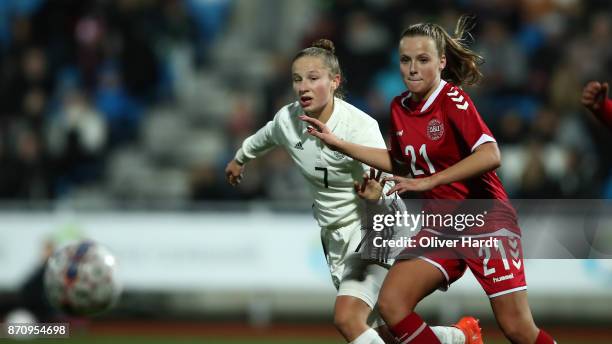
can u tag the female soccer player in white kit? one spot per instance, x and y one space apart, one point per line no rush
331 176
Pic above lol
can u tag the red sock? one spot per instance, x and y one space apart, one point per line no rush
412 329
544 338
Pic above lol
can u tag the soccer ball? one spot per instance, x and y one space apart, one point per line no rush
81 278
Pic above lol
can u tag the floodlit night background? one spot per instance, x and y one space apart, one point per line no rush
117 118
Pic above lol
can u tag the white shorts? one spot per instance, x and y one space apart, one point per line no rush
352 275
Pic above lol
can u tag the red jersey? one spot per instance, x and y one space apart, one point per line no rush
605 112
435 134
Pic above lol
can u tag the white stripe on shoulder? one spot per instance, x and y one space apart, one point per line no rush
433 96
484 138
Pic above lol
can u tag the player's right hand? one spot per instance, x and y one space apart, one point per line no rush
371 187
319 130
234 172
594 94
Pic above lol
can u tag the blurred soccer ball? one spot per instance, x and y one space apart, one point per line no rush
81 278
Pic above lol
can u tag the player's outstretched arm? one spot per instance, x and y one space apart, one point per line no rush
378 158
252 147
234 172
485 157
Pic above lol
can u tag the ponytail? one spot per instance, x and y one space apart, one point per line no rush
462 64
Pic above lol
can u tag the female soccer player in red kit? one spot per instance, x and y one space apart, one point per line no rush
595 98
439 138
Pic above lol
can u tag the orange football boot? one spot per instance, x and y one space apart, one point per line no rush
470 328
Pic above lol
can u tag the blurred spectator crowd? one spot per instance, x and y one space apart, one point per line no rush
144 101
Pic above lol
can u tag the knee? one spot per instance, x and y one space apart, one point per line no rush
514 334
349 323
393 307
385 305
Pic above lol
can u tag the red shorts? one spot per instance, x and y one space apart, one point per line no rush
499 268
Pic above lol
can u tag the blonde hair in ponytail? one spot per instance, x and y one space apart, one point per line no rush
462 64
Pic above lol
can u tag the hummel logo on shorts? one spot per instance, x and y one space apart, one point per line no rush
298 146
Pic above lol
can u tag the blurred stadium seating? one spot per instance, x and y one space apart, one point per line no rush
117 119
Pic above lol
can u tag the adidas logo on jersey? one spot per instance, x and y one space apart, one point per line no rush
459 101
299 146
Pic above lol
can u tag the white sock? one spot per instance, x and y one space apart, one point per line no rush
370 336
448 334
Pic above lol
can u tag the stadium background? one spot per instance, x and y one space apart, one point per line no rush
117 119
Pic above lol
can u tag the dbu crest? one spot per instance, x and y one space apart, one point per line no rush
338 155
435 129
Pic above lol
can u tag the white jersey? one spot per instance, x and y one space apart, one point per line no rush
330 174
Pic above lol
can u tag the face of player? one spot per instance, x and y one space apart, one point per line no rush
421 65
314 85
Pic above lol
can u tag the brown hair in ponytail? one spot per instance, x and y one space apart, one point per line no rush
462 64
324 48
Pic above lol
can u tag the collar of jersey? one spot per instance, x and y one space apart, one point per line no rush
334 119
430 100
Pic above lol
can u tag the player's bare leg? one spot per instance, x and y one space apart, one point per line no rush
350 317
514 317
401 292
385 333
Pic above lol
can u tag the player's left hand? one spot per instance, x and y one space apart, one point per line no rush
410 184
371 187
319 130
